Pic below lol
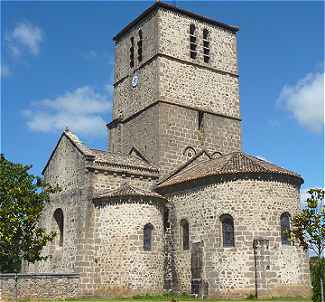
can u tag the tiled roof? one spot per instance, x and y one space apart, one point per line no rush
126 190
229 164
100 159
78 143
101 156
122 160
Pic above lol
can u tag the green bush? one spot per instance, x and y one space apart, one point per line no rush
315 280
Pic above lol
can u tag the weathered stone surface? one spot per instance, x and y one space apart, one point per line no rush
182 112
119 253
182 87
38 286
256 206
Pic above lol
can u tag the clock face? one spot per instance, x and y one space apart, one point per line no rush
135 80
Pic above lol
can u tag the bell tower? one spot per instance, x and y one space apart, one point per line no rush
176 88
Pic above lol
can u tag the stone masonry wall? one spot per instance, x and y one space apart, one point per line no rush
149 29
199 88
122 265
168 74
38 286
174 30
142 132
127 98
106 180
67 169
256 206
164 131
179 130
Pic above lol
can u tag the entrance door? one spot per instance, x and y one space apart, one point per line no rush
196 267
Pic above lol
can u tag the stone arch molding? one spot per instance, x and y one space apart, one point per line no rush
189 152
216 154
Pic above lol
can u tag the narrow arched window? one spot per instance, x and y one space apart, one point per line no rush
193 44
132 52
147 237
185 234
140 46
227 230
206 46
285 228
200 117
59 219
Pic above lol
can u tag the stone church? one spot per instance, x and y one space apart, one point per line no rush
174 203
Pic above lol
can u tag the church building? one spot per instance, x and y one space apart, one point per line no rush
173 203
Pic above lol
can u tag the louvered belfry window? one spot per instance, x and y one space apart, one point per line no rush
132 52
206 46
193 42
140 46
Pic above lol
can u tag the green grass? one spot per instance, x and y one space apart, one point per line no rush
170 297
179 298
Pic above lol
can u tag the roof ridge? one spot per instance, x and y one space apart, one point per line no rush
95 149
231 157
181 169
77 141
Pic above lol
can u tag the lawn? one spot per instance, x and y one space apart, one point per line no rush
164 298
181 299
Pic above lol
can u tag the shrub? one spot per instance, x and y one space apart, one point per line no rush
315 271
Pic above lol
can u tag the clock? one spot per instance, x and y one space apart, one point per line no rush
135 79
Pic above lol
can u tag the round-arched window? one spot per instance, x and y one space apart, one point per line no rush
185 234
228 234
285 228
59 219
147 236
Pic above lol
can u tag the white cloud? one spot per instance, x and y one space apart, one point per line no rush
109 88
305 100
5 71
79 110
25 37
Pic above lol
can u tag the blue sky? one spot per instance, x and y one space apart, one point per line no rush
57 63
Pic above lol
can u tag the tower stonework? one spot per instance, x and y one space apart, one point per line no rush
169 102
174 204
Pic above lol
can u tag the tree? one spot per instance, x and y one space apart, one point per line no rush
308 227
22 198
